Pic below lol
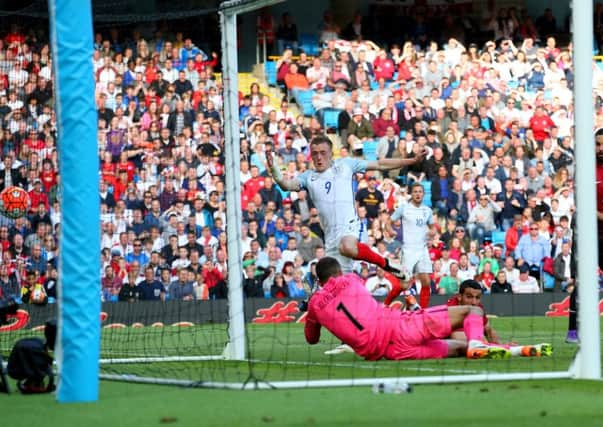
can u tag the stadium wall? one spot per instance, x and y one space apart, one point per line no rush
260 310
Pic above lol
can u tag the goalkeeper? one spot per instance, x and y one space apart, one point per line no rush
348 311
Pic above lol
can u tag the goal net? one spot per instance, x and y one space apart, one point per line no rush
185 343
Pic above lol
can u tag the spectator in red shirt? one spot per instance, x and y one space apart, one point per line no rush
125 165
381 124
540 123
48 175
212 278
254 184
108 168
37 196
384 66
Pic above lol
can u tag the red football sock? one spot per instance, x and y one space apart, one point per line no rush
396 288
367 254
424 295
473 325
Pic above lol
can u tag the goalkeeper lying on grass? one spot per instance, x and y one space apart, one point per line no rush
373 331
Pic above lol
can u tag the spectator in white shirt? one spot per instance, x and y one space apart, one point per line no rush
378 285
525 284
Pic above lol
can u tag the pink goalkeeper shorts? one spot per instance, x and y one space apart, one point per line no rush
421 334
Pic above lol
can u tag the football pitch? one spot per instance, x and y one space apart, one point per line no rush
279 353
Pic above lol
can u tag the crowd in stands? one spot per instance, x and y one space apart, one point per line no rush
497 120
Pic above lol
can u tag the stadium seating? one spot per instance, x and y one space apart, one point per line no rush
270 70
304 101
369 149
498 238
427 189
331 118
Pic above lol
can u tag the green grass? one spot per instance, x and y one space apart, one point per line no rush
278 352
544 403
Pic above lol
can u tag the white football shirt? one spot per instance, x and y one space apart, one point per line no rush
415 222
333 194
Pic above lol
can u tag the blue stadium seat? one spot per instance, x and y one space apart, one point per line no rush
270 70
369 150
304 96
331 118
304 100
498 237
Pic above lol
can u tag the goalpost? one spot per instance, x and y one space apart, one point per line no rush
588 358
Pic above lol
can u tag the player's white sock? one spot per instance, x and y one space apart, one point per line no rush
515 350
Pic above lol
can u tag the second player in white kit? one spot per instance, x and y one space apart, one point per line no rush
417 230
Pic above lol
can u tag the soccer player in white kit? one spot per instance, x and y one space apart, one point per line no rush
330 188
417 229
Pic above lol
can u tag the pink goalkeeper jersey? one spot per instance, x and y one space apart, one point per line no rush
349 312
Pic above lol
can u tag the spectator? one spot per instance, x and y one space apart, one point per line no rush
486 277
370 198
294 80
481 219
297 287
9 285
181 289
531 249
359 130
213 279
130 292
465 269
151 288
525 284
449 284
378 285
500 285
303 206
252 282
270 193
511 203
565 268
384 121
137 255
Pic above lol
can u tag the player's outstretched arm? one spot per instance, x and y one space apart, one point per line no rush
387 164
275 173
311 329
